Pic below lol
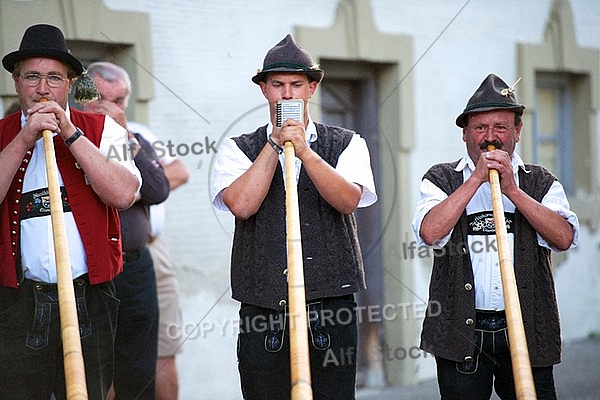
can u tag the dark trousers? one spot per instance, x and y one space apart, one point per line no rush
31 359
136 342
264 351
490 367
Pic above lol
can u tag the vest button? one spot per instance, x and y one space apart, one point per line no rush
468 286
282 303
469 321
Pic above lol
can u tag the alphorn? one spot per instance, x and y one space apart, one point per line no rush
519 354
301 388
76 387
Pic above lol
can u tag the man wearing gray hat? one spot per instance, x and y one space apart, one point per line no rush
334 178
454 216
93 189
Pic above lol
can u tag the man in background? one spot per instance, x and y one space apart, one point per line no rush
170 335
170 331
136 341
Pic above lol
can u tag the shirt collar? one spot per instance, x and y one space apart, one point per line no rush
466 163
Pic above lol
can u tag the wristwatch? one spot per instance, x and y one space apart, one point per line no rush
274 145
69 141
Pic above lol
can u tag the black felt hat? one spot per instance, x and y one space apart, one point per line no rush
493 94
42 41
287 56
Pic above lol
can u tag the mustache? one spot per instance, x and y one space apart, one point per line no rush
496 143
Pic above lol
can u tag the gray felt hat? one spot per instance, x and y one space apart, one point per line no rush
287 56
493 94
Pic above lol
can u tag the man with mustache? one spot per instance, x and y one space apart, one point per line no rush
469 337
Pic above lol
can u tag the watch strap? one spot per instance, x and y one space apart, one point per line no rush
275 146
73 137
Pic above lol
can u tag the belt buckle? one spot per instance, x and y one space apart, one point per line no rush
493 321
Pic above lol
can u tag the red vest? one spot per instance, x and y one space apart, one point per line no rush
98 224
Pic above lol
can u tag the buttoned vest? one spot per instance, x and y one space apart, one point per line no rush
450 333
332 258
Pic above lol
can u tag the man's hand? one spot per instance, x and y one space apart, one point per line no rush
500 161
108 108
46 115
291 131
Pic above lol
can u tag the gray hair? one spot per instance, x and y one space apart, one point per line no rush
111 73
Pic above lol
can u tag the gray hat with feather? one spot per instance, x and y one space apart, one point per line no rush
492 94
287 56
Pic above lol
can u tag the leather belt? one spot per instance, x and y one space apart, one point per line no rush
490 320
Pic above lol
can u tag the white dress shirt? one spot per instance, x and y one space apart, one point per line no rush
158 212
354 164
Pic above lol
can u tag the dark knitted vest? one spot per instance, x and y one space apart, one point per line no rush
333 264
447 335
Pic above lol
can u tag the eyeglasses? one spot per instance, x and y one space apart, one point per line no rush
34 79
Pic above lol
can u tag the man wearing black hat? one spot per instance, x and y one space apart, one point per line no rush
454 216
334 178
93 188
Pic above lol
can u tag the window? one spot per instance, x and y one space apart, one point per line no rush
560 91
553 128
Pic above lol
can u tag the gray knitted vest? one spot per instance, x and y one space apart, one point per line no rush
447 335
332 258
